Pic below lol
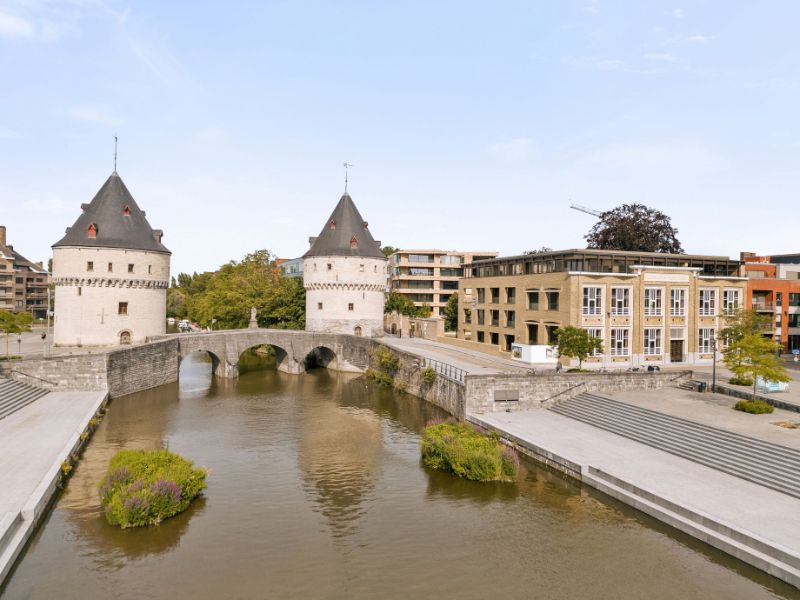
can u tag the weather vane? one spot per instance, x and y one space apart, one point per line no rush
115 153
346 165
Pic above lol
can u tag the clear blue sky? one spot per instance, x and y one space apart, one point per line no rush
470 125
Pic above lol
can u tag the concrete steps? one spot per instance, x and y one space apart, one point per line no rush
773 466
15 395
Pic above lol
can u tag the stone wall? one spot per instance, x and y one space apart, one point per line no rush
62 373
494 393
142 367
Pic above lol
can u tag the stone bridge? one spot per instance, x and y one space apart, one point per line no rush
335 351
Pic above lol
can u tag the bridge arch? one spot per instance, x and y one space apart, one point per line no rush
323 357
283 361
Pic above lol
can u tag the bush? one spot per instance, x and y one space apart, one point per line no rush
428 376
755 407
380 378
144 487
741 381
459 449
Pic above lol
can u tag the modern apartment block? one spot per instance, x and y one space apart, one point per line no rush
773 288
430 276
23 283
646 308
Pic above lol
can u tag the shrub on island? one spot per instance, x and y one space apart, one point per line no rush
144 487
463 451
754 407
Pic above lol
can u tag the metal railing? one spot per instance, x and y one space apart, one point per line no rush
33 376
446 370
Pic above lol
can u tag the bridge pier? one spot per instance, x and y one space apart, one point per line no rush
222 368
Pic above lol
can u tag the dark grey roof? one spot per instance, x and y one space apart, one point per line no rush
116 227
336 237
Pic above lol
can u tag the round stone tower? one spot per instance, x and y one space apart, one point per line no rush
111 273
345 274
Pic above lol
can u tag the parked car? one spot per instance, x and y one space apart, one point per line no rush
184 325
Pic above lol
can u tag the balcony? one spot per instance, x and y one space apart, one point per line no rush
763 306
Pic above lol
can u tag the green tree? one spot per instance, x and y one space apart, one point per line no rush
753 356
424 311
634 227
388 250
739 324
14 323
575 342
451 313
177 301
397 302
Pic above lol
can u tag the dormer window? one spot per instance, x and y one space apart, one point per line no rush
366 224
126 212
333 224
92 230
353 242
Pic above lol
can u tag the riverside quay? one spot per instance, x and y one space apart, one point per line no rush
648 309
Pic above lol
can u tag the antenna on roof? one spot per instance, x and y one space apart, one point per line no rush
346 166
115 153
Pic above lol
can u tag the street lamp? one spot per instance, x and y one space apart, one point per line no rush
19 344
714 366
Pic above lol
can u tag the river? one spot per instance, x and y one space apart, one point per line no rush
315 490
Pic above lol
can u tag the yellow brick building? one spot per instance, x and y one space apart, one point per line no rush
647 308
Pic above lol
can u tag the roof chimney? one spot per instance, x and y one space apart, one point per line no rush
2 235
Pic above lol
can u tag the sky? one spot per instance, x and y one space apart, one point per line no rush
469 125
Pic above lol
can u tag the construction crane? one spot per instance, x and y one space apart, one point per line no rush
588 211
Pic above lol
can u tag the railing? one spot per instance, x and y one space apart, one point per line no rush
32 376
446 370
763 306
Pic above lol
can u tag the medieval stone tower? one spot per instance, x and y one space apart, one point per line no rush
344 275
111 273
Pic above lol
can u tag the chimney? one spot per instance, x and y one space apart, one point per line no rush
2 235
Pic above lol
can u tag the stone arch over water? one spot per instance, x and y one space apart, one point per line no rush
323 357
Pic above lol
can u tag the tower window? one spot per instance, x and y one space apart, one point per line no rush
126 212
79 291
330 267
319 305
130 267
91 231
353 242
110 267
149 269
375 268
333 224
90 266
123 308
361 268
350 306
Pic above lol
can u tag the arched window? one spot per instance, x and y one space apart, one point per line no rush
126 212
353 242
357 331
91 231
125 338
333 224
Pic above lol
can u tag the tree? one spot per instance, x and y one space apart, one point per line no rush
397 302
634 227
575 342
451 313
424 311
756 356
388 250
539 250
738 324
14 323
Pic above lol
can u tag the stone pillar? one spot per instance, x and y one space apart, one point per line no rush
226 370
291 366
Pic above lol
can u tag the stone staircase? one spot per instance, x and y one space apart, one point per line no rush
773 466
15 395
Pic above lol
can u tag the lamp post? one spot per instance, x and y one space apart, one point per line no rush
714 365
19 344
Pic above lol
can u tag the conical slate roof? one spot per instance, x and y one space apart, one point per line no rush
117 220
345 234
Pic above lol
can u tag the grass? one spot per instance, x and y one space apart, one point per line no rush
754 407
459 449
144 487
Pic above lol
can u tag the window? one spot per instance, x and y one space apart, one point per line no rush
467 315
361 268
511 318
533 333
319 305
90 266
428 271
79 291
130 267
620 341
592 300
533 300
677 302
511 295
495 295
705 340
482 295
449 285
123 308
350 306
126 212
481 337
110 267
794 299
353 242
420 258
552 334
330 267
450 260
552 300
450 272
652 341
652 302
794 320
620 301
481 316
495 317
708 300
494 338
731 300
597 333
149 269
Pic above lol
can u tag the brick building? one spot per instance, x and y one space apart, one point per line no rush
646 308
23 283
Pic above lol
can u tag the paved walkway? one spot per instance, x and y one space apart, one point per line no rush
34 441
471 361
743 506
